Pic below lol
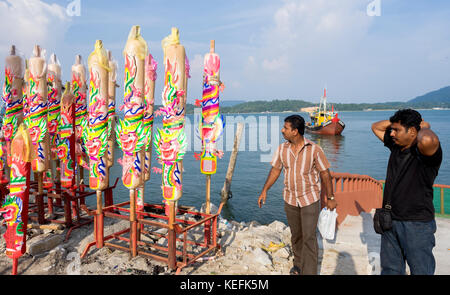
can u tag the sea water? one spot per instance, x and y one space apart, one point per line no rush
356 151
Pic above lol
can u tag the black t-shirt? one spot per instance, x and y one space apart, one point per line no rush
412 193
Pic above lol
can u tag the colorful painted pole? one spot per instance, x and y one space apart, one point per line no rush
150 77
66 149
79 90
54 100
112 85
25 87
13 98
112 119
3 153
66 146
170 141
95 130
130 131
37 121
15 206
211 124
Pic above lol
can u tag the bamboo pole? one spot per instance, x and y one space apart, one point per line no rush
208 194
174 101
232 163
211 125
95 130
99 221
130 131
37 121
79 89
133 223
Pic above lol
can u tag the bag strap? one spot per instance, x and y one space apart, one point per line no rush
404 166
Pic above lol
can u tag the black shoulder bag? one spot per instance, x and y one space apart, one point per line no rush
382 220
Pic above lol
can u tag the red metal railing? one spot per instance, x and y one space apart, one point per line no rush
354 194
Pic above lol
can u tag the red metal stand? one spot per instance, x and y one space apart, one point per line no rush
73 201
175 256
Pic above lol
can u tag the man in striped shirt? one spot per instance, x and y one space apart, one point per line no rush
305 168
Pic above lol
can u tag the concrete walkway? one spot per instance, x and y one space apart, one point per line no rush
356 248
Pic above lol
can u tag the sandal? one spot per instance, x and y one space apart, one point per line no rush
294 271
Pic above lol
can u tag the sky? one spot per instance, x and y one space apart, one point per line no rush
360 50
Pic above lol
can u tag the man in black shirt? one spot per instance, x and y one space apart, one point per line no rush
416 156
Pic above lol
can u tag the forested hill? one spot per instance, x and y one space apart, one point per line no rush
434 99
441 96
297 105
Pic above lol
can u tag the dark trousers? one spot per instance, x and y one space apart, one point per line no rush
412 241
303 223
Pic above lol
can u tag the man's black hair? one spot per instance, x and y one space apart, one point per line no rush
407 118
297 122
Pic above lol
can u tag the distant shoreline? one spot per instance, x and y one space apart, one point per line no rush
347 111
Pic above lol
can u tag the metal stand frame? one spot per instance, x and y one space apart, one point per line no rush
176 253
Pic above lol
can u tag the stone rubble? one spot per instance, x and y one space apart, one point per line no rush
245 249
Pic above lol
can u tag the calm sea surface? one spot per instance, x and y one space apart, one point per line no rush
356 151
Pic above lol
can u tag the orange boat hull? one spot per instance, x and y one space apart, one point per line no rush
335 127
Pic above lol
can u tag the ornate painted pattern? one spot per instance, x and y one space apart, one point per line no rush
3 153
53 113
15 206
13 111
79 92
170 147
130 132
212 124
150 77
170 141
37 123
96 128
66 146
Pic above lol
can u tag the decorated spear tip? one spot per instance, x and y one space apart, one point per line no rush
175 32
135 32
136 45
172 39
99 56
13 50
37 51
78 59
53 58
98 44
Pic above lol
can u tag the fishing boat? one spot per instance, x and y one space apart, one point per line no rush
324 121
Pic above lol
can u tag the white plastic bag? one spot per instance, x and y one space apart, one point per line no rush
327 223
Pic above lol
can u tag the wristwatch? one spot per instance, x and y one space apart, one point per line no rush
330 198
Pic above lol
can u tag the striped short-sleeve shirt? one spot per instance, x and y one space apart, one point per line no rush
301 172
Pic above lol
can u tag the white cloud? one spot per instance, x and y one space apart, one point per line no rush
276 64
196 65
306 28
26 23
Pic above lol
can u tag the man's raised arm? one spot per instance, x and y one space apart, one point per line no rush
427 140
379 128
